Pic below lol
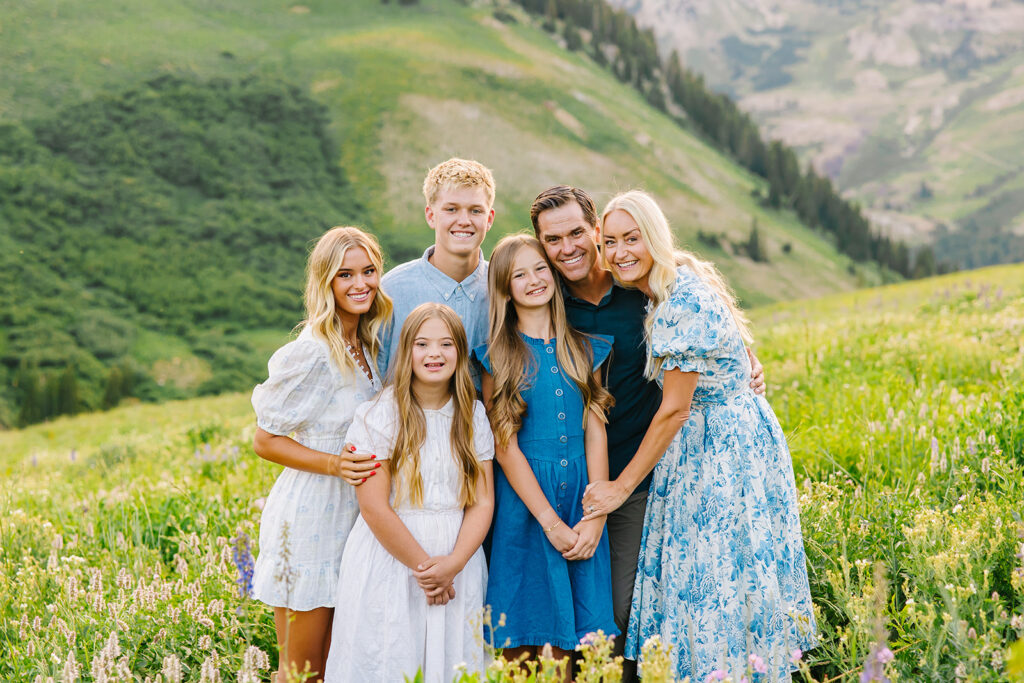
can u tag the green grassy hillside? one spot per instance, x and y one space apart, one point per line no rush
903 408
914 108
165 166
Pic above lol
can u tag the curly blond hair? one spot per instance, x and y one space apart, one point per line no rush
456 173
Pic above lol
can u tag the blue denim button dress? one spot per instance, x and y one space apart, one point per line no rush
545 598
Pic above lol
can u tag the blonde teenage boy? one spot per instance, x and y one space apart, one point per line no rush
460 211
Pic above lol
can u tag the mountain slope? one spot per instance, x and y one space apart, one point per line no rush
914 108
397 88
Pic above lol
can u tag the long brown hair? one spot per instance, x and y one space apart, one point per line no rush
412 424
510 358
321 309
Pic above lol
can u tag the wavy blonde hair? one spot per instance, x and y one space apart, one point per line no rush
458 173
657 235
412 424
511 361
321 309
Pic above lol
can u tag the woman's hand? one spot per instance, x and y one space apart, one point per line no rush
355 468
562 537
603 497
756 373
586 543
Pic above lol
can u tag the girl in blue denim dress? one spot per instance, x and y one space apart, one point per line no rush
549 572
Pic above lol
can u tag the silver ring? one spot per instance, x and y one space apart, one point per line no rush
591 509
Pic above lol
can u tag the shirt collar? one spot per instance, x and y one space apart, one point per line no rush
446 285
605 298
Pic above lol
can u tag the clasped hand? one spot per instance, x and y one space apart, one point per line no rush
578 542
603 497
436 576
354 467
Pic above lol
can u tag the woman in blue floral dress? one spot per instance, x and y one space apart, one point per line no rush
722 574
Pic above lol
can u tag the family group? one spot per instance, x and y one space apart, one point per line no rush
643 484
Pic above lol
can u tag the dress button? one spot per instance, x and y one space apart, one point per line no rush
564 462
554 369
563 438
550 349
563 485
558 392
561 416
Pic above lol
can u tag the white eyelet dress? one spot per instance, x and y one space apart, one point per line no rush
384 630
308 398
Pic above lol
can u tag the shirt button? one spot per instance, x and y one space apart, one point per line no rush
563 485
564 462
563 438
558 392
561 416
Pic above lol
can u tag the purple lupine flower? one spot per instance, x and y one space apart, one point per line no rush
874 665
243 561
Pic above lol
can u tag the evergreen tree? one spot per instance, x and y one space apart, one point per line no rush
573 41
551 17
32 402
112 392
67 392
754 246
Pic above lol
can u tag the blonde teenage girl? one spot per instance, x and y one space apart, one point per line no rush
302 413
412 579
550 573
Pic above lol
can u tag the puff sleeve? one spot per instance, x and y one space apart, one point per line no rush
690 326
483 439
373 427
298 389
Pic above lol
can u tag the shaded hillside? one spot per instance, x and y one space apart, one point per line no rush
915 109
166 165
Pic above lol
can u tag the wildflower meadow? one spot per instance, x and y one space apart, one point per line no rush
126 537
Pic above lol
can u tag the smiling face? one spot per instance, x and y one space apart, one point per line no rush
568 240
434 353
460 218
532 284
355 283
625 249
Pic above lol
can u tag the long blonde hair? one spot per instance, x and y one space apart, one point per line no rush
321 309
412 424
510 358
657 235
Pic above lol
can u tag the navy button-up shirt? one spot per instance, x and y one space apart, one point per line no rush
620 314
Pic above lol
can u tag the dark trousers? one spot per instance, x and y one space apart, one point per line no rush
625 529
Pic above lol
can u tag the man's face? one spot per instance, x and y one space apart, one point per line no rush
460 218
568 240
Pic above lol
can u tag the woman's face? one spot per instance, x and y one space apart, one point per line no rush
355 284
532 284
624 248
434 354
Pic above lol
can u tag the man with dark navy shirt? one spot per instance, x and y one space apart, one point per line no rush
565 221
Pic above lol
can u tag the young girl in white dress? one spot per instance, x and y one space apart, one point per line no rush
412 580
302 412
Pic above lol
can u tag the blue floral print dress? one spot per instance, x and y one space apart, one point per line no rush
722 573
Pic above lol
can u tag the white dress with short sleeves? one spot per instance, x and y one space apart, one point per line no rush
308 398
383 627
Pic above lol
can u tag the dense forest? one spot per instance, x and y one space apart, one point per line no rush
612 38
177 213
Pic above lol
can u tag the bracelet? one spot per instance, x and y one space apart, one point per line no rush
552 527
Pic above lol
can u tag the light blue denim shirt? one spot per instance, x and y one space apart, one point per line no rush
417 282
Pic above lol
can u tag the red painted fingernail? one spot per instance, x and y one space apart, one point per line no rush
364 479
373 457
373 473
376 466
